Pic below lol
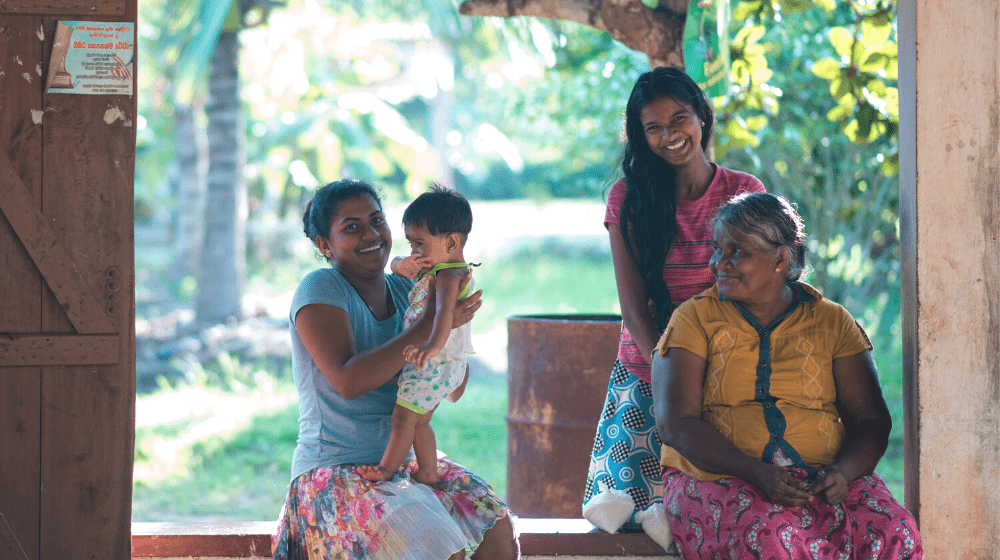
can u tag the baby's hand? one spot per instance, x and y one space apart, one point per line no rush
409 267
419 354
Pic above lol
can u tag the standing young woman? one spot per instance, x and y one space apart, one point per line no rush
658 217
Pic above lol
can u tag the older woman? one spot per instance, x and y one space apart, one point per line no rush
768 403
347 343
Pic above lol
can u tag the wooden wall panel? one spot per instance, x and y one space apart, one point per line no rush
89 411
20 289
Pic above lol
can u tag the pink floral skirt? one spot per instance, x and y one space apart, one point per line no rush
730 519
333 513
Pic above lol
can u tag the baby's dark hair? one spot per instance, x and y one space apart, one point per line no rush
441 210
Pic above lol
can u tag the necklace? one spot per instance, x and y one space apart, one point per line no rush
388 306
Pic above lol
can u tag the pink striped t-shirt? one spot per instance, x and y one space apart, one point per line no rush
686 269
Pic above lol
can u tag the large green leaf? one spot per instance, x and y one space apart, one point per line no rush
197 54
875 33
826 68
842 39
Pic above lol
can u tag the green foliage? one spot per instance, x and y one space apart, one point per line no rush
849 204
861 70
866 106
213 15
559 122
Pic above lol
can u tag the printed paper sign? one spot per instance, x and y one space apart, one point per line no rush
92 58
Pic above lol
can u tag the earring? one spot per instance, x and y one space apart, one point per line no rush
777 269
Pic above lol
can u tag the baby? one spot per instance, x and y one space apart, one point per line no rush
437 225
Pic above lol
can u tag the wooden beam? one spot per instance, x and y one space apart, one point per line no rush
58 350
84 311
252 539
63 7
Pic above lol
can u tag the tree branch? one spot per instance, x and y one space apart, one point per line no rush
658 33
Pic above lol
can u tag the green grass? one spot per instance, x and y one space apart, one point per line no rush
537 281
473 431
244 475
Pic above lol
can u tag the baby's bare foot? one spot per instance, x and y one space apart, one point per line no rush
374 473
427 476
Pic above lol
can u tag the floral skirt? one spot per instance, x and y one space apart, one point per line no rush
333 513
626 454
730 519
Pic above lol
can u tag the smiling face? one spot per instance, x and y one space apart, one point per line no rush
359 241
436 248
744 270
673 131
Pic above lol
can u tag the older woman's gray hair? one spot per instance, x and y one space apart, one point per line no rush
772 222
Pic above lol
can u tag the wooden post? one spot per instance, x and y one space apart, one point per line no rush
67 319
950 225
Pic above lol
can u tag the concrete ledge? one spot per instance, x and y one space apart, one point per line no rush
539 538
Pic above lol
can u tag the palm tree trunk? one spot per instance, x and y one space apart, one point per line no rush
191 157
223 256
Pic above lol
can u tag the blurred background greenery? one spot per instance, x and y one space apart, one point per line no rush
246 107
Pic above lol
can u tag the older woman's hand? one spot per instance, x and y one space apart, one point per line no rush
831 485
778 486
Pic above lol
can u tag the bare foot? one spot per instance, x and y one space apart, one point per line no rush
426 476
374 473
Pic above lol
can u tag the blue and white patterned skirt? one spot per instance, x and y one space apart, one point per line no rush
626 453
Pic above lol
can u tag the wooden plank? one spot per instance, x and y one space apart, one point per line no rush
251 539
19 414
58 350
56 264
224 540
64 7
20 292
88 412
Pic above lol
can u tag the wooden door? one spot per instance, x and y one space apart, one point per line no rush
67 319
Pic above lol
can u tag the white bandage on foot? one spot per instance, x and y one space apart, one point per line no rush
654 523
609 509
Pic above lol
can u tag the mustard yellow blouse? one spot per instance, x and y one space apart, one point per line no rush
767 387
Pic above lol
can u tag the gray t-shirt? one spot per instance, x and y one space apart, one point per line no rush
332 429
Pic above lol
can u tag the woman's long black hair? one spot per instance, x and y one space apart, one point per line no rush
649 212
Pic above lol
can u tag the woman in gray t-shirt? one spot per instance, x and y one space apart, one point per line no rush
347 341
